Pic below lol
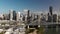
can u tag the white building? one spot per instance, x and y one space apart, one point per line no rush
1 16
18 16
11 14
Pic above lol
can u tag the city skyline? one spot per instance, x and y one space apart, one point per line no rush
33 5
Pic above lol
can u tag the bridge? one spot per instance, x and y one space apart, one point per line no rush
49 23
43 23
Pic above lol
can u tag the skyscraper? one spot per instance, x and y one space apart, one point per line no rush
27 14
12 15
50 10
50 15
33 16
18 16
49 18
54 17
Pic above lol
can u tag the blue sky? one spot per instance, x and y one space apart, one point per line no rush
33 5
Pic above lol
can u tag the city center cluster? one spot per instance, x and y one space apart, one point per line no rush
28 16
20 21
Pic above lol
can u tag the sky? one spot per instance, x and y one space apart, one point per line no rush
32 5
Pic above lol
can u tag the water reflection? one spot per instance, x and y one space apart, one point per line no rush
52 29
